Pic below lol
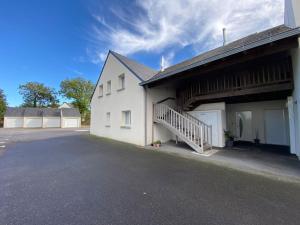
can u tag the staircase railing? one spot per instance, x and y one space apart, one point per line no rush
207 129
192 131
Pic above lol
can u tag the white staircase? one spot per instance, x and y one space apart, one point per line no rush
195 133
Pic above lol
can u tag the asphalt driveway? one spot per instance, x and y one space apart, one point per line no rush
73 178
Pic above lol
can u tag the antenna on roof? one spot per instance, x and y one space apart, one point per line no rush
224 36
162 63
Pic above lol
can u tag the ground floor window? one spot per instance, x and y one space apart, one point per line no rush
108 119
126 118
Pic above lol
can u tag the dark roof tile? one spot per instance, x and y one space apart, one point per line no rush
39 112
70 112
141 71
221 52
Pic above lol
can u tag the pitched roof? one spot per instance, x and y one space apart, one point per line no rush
66 105
33 112
51 112
139 70
70 112
39 112
14 112
246 43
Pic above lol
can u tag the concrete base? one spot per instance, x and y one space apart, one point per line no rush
276 166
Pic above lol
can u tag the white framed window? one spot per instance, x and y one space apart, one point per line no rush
100 90
126 119
121 82
108 90
107 119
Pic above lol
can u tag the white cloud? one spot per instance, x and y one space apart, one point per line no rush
167 59
164 24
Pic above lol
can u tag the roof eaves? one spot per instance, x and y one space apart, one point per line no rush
280 36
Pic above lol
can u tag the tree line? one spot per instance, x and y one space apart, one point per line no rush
77 90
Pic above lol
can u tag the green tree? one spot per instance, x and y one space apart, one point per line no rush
3 104
79 91
38 95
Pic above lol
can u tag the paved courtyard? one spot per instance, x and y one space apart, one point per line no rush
69 177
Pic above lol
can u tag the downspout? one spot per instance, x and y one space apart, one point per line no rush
61 119
146 119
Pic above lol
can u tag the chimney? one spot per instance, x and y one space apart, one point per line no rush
224 36
292 13
162 64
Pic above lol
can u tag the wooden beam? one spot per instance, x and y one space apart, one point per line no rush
258 90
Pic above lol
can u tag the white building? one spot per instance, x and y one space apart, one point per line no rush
66 105
19 117
250 87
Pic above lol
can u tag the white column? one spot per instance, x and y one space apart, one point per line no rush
292 13
61 119
296 10
295 53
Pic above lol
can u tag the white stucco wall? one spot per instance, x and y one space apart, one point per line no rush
218 109
156 131
295 53
294 11
257 109
131 98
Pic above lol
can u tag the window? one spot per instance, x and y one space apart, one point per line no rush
121 82
107 119
108 91
100 90
126 119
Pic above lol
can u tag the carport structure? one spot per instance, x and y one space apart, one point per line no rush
18 117
248 88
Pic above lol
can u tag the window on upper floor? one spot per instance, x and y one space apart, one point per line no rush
100 90
121 82
108 90
126 119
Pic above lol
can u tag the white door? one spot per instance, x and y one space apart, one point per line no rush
210 118
33 122
71 122
13 122
51 122
244 126
275 130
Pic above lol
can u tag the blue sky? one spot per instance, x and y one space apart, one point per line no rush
48 41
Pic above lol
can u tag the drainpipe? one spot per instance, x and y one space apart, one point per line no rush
146 119
152 122
61 119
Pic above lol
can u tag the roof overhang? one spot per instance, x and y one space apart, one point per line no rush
281 36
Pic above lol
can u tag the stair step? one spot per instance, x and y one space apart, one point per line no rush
177 122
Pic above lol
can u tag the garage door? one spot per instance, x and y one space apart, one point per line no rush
14 122
51 122
71 122
33 122
275 130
